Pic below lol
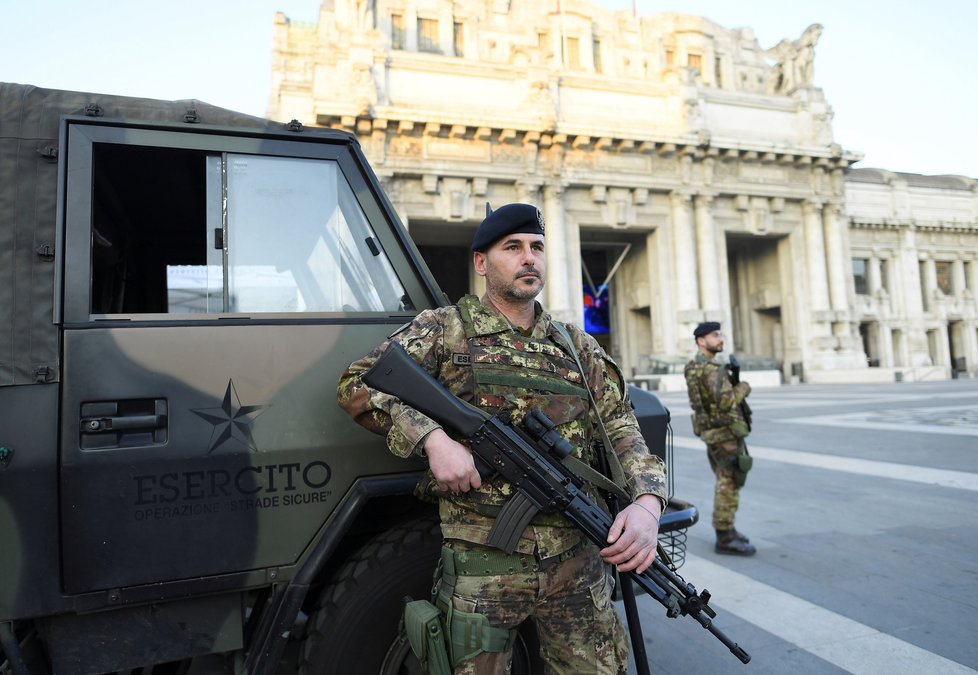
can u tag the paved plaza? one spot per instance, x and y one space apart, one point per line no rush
863 504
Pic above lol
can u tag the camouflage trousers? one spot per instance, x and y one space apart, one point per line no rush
570 604
726 494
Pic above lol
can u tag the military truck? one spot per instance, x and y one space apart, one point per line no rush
179 493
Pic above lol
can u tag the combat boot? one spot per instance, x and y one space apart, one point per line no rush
729 544
740 535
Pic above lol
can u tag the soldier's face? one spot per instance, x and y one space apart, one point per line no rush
711 342
514 267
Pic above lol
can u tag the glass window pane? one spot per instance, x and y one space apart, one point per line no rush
299 242
573 52
860 275
942 268
398 34
199 289
428 35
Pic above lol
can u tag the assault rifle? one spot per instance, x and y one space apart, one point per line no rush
530 459
735 380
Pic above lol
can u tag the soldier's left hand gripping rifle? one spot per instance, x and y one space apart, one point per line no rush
530 459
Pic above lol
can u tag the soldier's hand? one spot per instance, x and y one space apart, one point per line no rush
634 535
451 463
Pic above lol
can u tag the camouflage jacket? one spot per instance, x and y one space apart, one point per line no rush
715 401
496 366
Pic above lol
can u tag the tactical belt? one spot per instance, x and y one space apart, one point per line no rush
492 562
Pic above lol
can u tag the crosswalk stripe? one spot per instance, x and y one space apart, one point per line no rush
832 637
960 480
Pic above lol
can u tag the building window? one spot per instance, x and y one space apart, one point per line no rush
694 61
885 275
924 295
718 71
670 57
573 56
398 34
428 36
969 270
942 270
596 46
860 274
543 41
458 39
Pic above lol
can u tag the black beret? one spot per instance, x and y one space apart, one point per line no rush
706 328
509 219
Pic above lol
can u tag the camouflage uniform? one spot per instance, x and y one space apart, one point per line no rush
718 420
476 353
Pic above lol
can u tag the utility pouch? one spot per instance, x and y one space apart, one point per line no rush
470 634
742 467
697 427
423 626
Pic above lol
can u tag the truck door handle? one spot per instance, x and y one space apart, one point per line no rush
96 425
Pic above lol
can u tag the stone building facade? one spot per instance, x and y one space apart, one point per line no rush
914 244
684 172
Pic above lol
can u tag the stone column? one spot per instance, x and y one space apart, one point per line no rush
836 260
908 276
706 256
815 260
886 346
929 284
686 287
875 280
957 277
563 290
661 285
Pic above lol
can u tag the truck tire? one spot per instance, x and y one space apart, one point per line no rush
354 626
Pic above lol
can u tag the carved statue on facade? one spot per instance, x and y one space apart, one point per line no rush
366 13
795 62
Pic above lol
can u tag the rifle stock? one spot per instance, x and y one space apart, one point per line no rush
530 460
397 374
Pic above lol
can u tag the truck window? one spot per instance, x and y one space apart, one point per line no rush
186 231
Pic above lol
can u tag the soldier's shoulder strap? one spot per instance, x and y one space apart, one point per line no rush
617 481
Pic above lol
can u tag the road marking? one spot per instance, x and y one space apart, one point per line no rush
954 420
832 637
775 400
960 480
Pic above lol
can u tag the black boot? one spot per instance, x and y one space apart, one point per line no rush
729 544
740 535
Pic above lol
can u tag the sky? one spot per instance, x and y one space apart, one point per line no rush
898 74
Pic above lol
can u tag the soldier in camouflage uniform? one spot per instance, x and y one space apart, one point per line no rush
503 353
719 419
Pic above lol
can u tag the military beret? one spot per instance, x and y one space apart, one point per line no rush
508 219
706 328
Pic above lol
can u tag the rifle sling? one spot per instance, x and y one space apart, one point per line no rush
617 482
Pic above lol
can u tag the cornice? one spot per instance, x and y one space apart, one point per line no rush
698 147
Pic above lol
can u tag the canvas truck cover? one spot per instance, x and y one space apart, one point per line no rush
29 136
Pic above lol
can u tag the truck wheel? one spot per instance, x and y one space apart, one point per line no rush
354 626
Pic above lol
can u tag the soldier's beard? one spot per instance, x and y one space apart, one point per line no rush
515 290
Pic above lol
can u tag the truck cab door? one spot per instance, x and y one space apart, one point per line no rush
216 284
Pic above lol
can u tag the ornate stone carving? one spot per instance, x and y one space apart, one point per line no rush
795 66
